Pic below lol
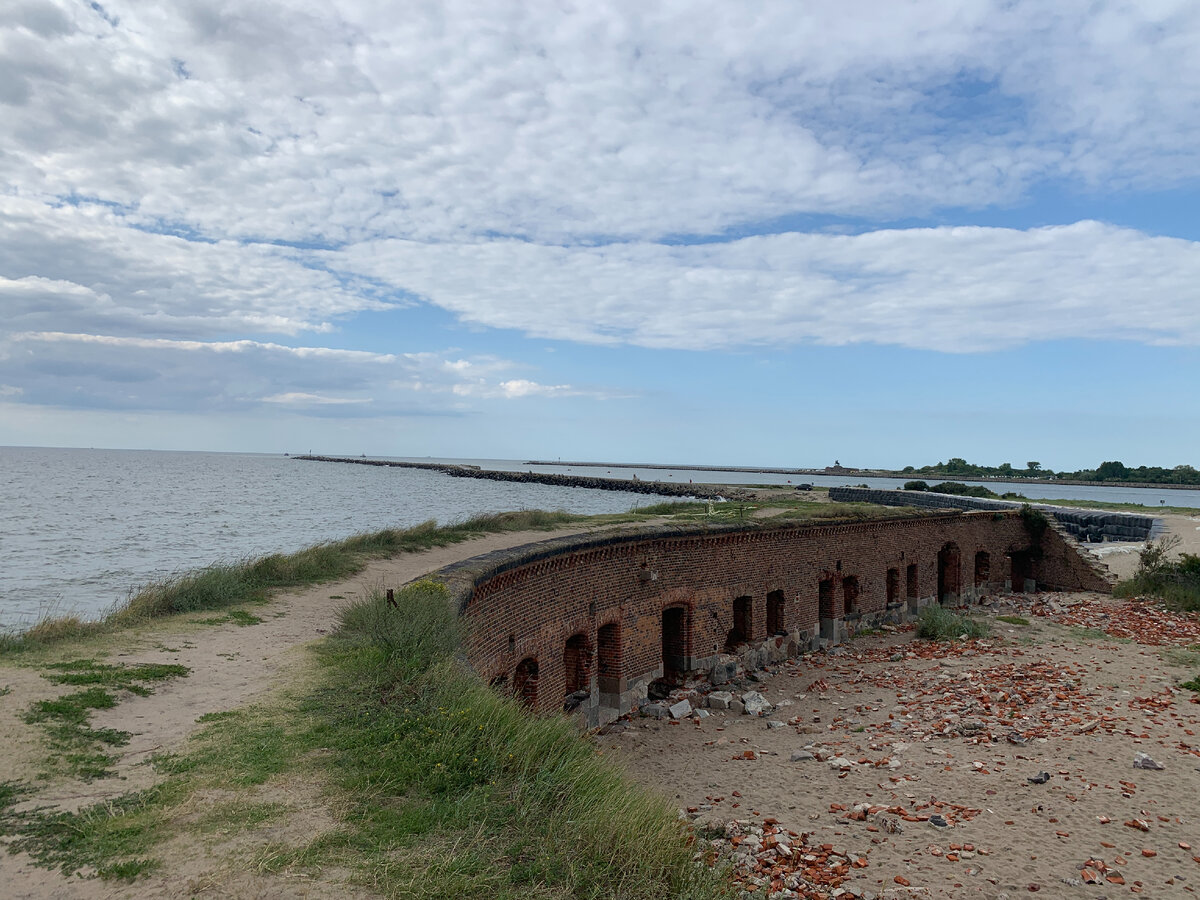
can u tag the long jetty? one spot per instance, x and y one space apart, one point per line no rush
750 470
634 486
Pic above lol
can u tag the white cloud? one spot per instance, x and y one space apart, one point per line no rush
85 268
114 372
949 289
297 398
310 122
179 173
520 387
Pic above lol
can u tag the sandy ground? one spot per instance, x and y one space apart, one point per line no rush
881 734
891 702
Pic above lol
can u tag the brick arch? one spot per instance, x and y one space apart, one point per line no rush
577 663
609 658
525 681
676 637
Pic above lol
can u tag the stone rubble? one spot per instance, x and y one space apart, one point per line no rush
979 693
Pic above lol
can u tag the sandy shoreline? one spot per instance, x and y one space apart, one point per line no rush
831 694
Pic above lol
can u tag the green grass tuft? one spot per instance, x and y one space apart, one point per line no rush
1013 620
939 624
222 586
77 748
110 837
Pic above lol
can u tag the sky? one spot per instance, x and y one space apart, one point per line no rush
679 232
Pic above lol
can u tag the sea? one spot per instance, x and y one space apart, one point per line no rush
81 529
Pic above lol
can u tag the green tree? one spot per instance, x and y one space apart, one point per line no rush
1112 470
1033 466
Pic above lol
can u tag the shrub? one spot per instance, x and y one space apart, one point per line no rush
962 490
1175 581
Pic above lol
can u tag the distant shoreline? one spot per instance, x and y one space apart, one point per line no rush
873 473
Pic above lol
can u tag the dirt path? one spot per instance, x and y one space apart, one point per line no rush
231 666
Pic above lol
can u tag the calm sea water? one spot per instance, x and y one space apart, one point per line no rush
80 529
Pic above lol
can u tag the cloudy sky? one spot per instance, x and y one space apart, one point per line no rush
728 233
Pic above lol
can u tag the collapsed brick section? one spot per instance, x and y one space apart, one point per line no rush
660 602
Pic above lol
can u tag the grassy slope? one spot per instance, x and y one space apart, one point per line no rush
440 787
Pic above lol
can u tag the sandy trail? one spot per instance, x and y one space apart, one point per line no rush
231 666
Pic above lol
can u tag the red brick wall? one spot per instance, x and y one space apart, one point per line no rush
529 602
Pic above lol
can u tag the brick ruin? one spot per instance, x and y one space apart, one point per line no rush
596 620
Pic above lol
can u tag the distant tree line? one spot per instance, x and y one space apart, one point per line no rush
1111 471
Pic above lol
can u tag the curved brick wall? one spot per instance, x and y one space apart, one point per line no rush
608 614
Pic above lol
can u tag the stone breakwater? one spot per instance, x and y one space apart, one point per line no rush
699 491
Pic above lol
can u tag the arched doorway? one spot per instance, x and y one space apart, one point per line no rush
676 642
743 624
949 573
577 663
525 681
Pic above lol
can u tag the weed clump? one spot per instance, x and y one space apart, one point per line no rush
937 623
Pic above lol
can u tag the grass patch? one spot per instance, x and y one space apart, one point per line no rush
1013 620
1185 657
117 839
134 679
111 838
78 749
673 507
1193 685
238 815
937 623
234 616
